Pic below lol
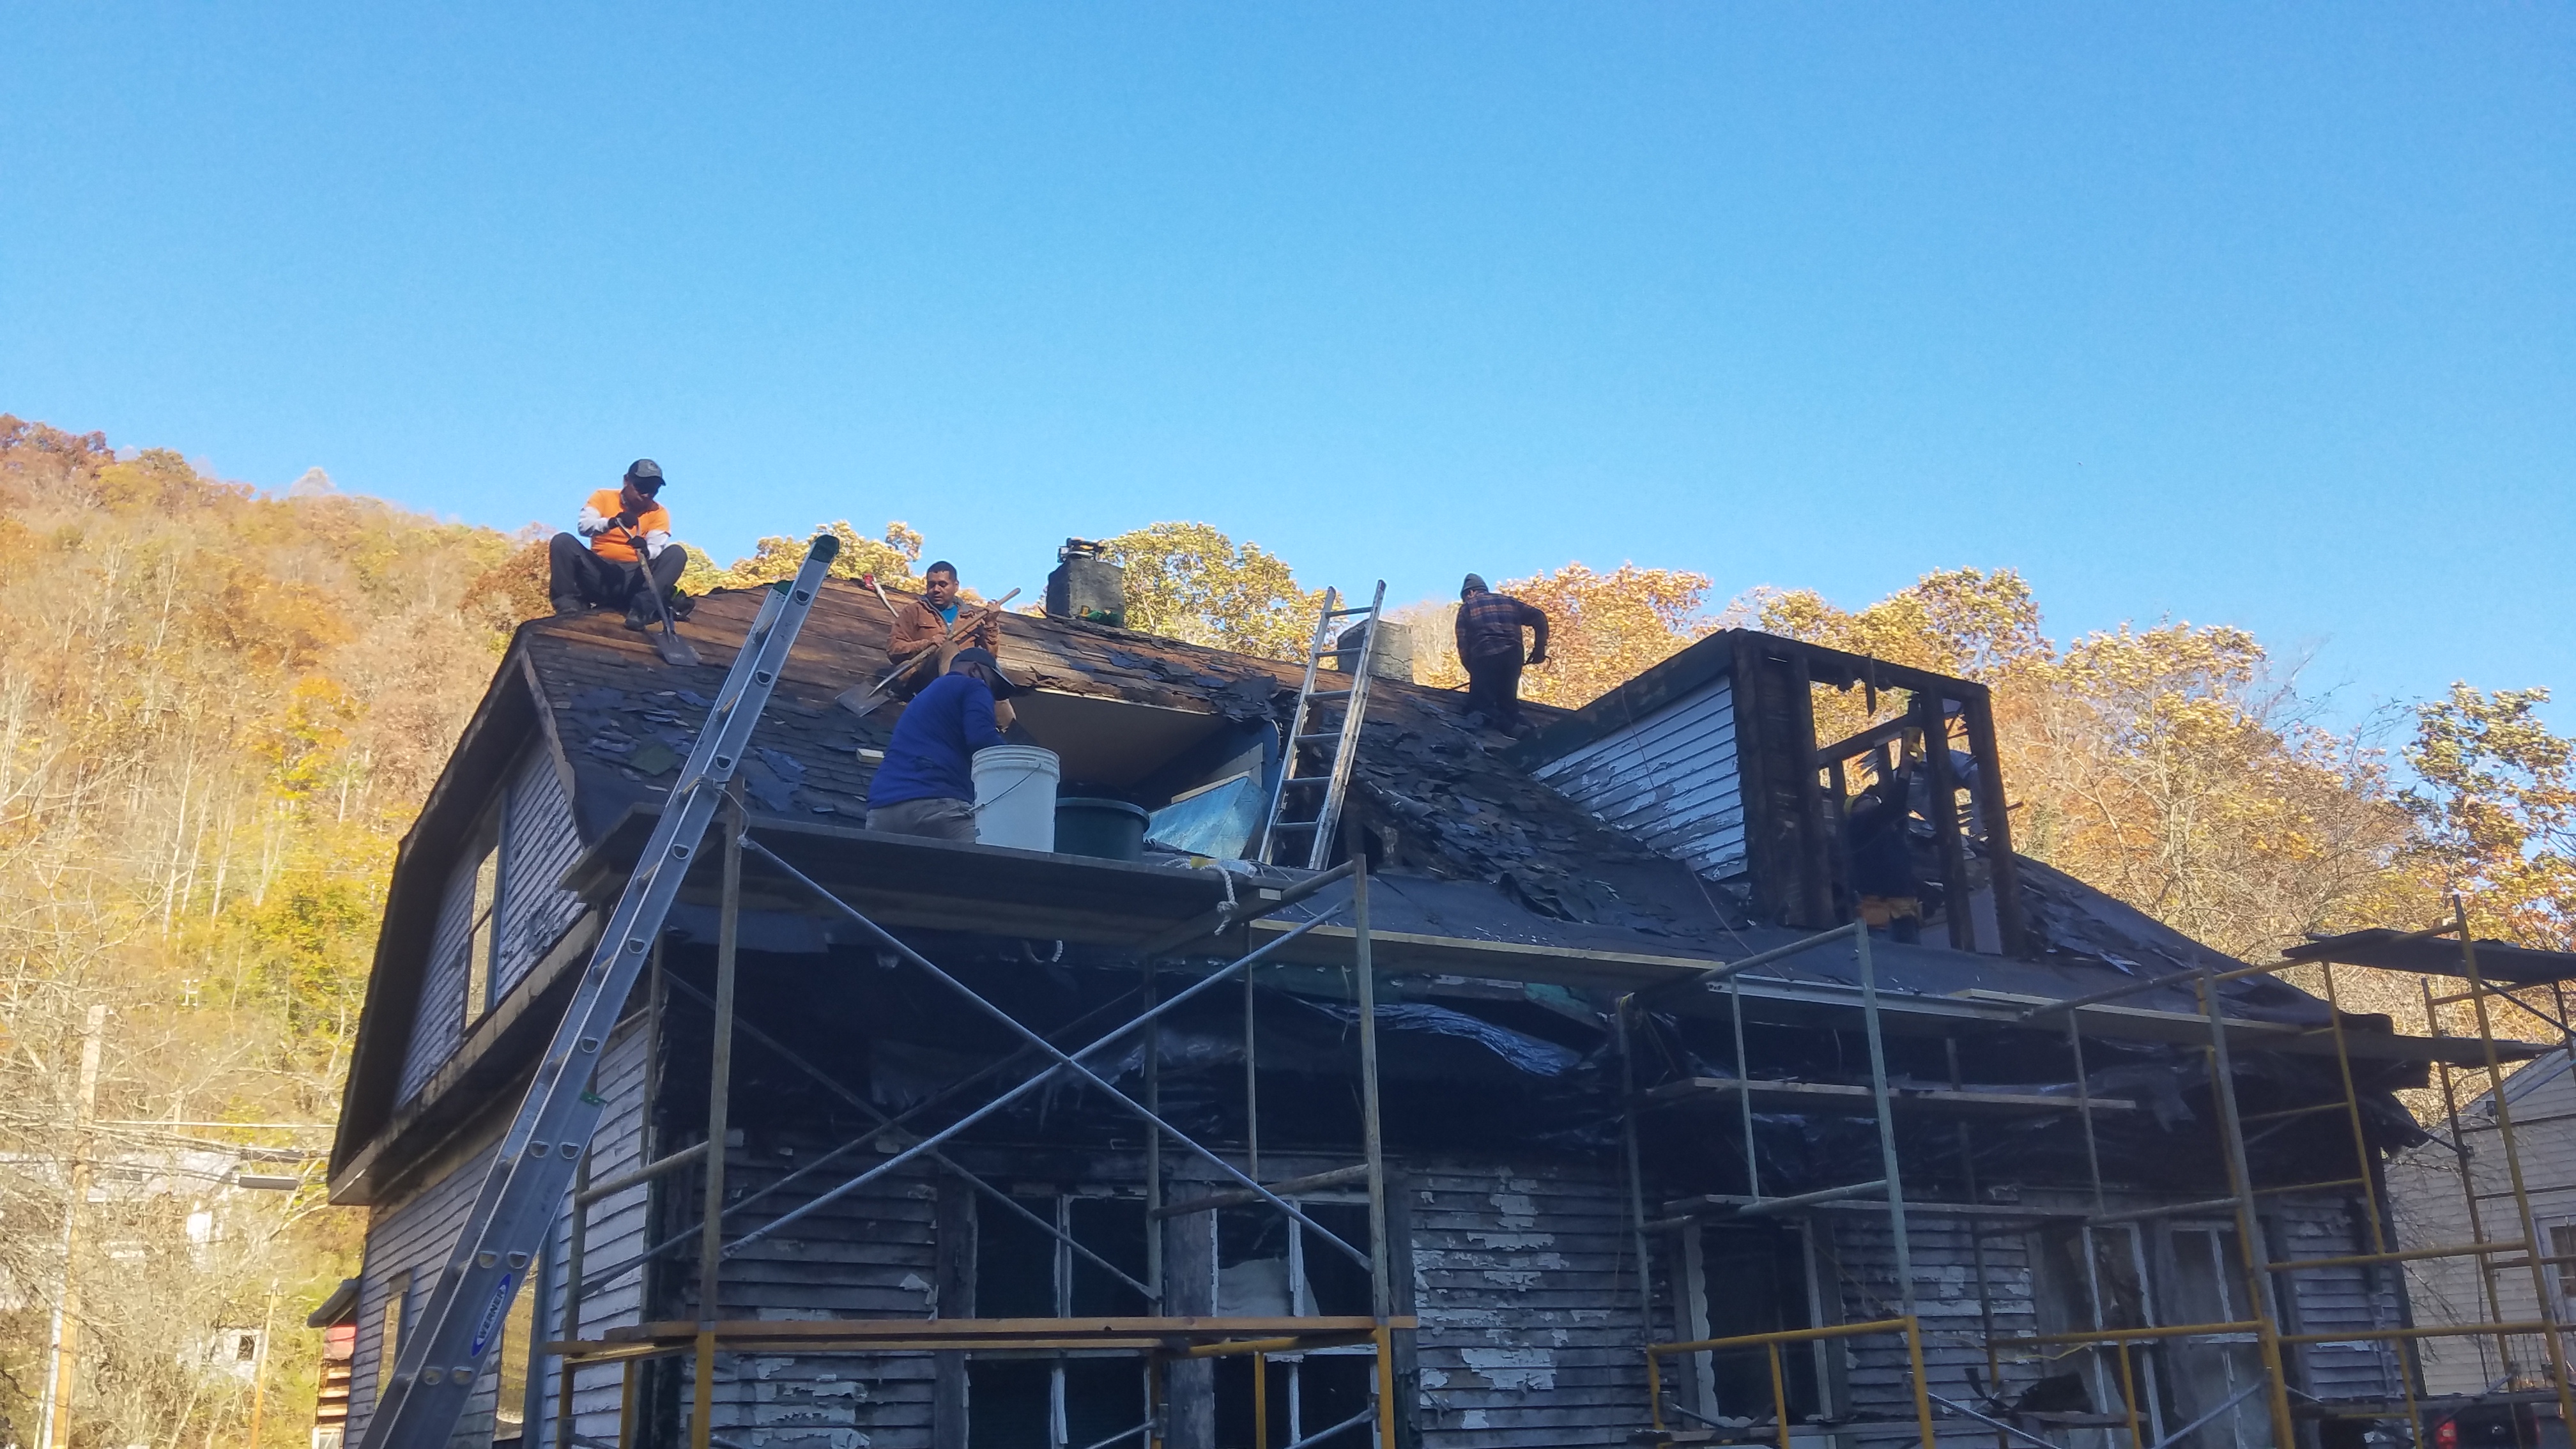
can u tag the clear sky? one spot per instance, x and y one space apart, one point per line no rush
2255 314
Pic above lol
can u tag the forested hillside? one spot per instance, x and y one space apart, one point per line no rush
220 709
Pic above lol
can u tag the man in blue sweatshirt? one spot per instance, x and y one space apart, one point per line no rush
927 784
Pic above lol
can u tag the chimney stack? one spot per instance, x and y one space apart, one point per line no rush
1086 586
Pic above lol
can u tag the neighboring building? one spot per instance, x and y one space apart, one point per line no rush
2445 1195
1520 896
337 1317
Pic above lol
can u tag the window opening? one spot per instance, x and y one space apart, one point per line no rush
478 958
2066 1283
483 940
1269 1267
390 1339
2209 1287
1756 1278
1063 1401
510 1394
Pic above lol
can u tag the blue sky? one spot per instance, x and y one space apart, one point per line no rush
2259 315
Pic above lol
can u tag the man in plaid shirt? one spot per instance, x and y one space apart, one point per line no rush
1489 645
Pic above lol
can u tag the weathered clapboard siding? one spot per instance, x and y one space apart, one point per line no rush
871 1254
413 1237
615 1233
1526 1287
440 1023
2330 1300
538 844
1670 779
1857 1269
2432 1211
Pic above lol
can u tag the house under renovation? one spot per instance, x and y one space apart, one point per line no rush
1595 1088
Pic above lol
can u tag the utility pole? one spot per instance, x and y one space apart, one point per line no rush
54 1418
259 1366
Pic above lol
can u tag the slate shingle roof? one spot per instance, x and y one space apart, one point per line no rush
625 721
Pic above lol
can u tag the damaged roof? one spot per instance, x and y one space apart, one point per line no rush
1476 849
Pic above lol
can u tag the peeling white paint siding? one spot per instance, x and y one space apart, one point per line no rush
1526 1295
1512 1369
1670 779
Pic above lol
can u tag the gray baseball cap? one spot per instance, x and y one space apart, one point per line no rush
644 473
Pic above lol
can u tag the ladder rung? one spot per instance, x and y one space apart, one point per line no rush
1278 825
1346 613
1315 739
1307 780
1323 694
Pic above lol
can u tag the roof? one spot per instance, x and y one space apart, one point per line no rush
1474 845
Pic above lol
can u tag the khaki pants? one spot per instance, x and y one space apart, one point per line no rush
938 819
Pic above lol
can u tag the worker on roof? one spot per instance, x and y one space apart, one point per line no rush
629 535
931 630
926 785
1882 862
1489 646
940 617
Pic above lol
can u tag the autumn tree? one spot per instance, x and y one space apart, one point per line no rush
773 559
2496 805
2173 766
1190 582
218 713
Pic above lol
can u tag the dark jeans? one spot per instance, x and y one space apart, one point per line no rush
581 576
1494 690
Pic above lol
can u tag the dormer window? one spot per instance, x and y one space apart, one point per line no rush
483 941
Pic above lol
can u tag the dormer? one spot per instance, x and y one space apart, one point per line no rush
1788 774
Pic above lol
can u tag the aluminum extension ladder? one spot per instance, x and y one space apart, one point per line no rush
523 1191
1342 741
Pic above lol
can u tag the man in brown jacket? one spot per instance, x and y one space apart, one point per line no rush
931 629
937 617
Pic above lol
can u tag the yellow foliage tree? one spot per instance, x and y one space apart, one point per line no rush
1190 582
773 559
2497 806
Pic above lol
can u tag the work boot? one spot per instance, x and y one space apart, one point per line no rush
683 605
566 605
639 612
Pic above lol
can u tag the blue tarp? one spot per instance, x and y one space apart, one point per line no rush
1214 823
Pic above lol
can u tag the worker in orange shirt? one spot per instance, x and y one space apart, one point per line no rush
630 536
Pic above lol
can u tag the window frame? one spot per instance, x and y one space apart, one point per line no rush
1061 1260
389 1329
487 855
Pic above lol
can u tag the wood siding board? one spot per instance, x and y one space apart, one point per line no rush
539 845
1705 714
1528 1306
1670 780
2429 1210
414 1237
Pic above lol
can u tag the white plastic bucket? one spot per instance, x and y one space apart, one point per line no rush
1015 796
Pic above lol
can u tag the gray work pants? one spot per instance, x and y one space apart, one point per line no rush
938 819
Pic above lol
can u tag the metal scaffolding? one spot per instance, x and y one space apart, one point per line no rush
2120 1362
922 1135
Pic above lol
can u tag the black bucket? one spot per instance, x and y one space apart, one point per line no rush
1109 829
